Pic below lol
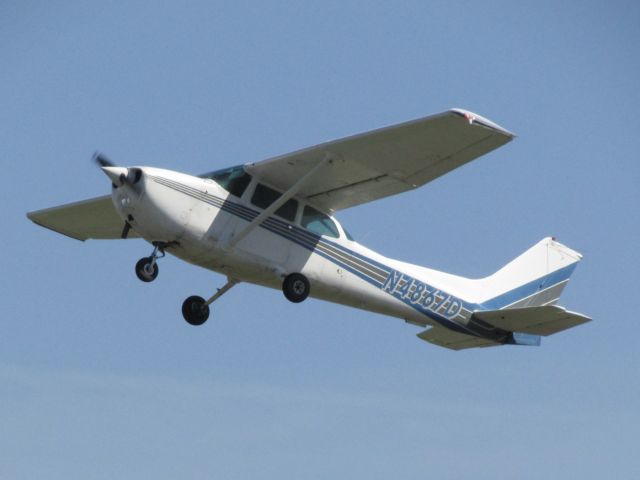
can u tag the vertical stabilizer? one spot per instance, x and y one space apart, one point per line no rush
535 278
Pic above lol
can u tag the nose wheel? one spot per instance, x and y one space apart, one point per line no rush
147 267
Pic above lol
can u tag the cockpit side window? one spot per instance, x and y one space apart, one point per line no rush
264 196
234 180
318 222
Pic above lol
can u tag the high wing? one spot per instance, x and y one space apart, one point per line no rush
92 218
384 162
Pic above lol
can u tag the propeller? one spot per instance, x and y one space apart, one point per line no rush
103 162
118 175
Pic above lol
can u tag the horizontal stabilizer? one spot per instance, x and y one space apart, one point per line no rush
545 320
92 218
444 337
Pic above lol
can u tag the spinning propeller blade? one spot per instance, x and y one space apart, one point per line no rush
102 161
118 175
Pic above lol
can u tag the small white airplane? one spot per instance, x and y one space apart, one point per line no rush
271 223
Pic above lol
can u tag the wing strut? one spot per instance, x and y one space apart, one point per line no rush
278 203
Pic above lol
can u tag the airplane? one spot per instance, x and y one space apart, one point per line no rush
272 223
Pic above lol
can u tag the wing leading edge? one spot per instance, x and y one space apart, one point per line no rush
384 162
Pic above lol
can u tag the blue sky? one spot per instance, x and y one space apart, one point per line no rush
101 378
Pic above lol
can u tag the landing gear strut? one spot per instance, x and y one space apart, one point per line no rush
195 309
147 268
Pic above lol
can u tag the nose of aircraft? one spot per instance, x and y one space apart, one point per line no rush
116 174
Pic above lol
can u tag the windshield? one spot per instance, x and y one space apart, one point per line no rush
234 180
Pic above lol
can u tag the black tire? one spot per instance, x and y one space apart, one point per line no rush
145 271
195 311
296 287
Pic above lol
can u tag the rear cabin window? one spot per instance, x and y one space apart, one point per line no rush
234 180
264 196
318 222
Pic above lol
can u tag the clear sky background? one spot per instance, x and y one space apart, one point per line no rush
100 377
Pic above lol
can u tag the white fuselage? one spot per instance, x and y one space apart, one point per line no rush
199 219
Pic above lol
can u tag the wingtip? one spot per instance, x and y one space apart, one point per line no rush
474 118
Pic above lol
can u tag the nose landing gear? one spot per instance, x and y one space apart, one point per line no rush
147 268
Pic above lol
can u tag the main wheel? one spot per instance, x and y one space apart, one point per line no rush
296 287
146 270
195 311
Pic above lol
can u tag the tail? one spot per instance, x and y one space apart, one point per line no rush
535 278
527 290
516 305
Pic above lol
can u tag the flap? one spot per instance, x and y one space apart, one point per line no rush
544 320
92 218
384 162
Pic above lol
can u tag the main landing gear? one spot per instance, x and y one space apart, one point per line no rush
147 268
296 287
195 309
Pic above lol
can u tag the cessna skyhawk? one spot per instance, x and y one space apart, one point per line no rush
271 223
